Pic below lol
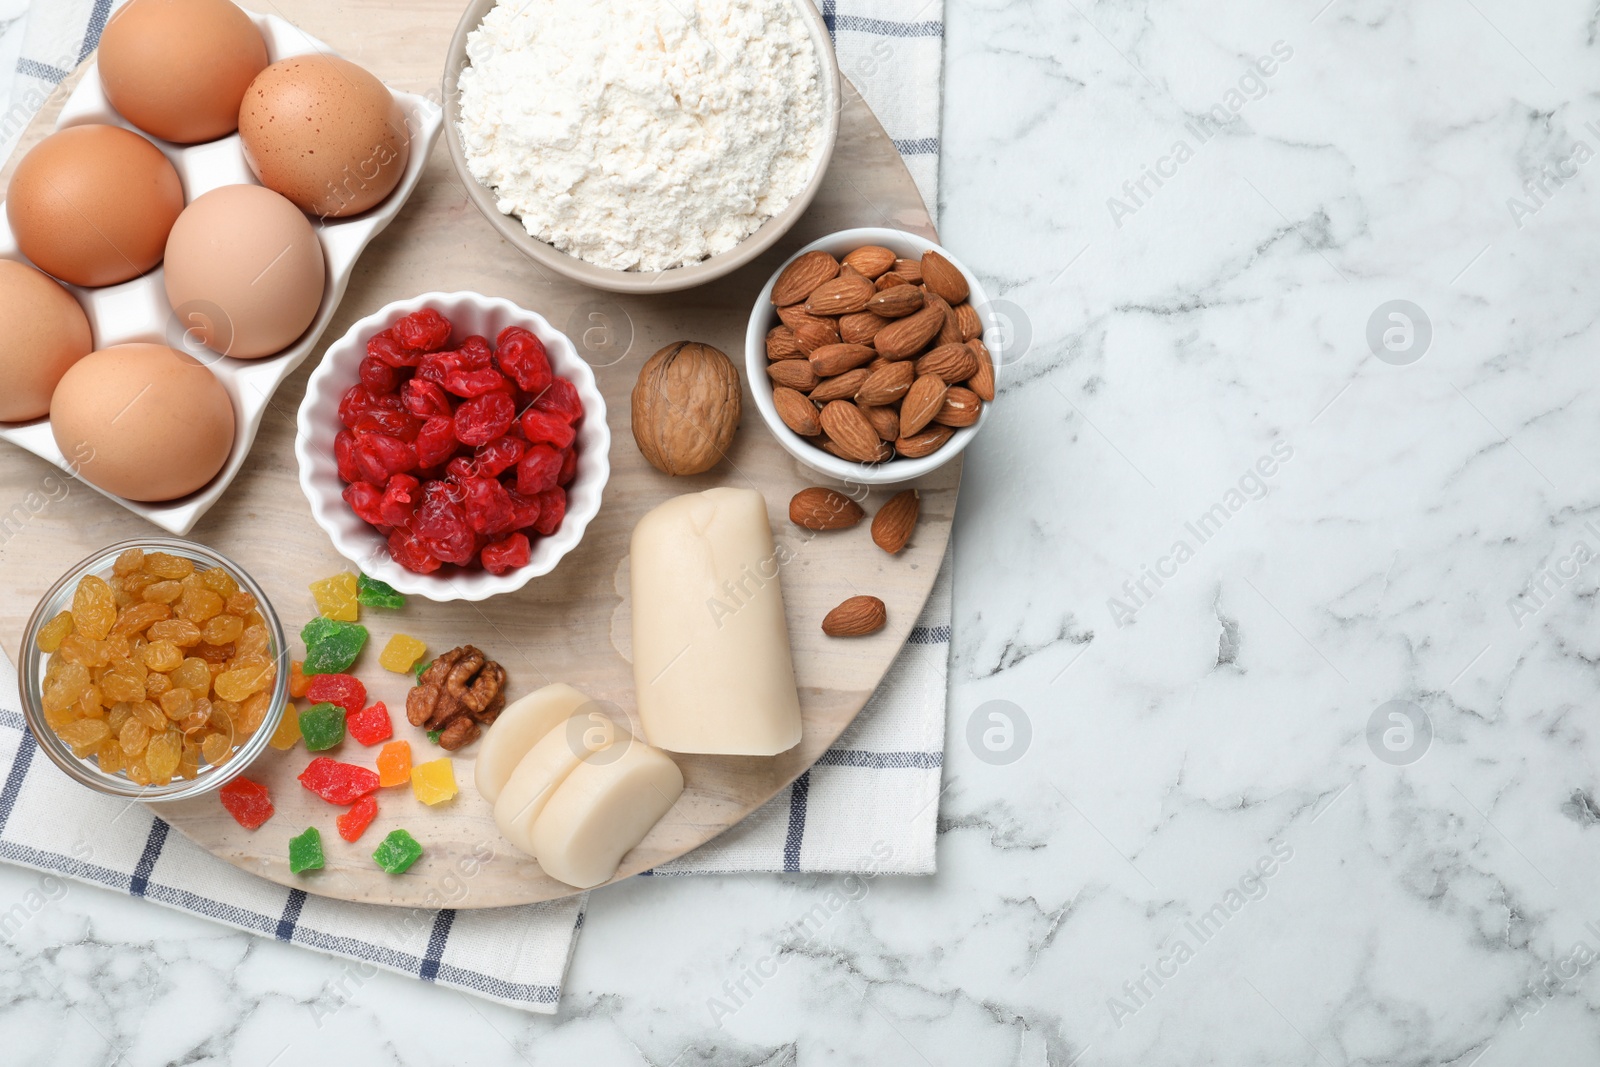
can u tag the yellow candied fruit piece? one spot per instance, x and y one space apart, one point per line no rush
401 653
434 782
219 582
336 597
287 733
166 565
94 608
52 633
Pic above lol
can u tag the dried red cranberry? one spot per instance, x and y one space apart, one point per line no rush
499 455
569 467
364 500
538 470
378 375
357 399
423 331
461 468
344 455
522 356
502 557
400 498
424 398
543 426
406 550
488 506
384 346
379 456
394 423
441 525
552 509
436 441
474 382
477 351
560 399
482 419
526 510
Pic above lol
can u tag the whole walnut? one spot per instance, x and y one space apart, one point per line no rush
685 408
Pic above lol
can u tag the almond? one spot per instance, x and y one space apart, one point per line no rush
943 278
904 338
797 413
793 315
836 359
884 455
967 319
896 303
870 260
889 281
961 407
856 617
801 278
950 332
850 432
982 380
820 508
794 373
925 443
885 420
840 386
909 269
782 345
953 362
860 327
921 404
846 293
886 384
814 334
892 525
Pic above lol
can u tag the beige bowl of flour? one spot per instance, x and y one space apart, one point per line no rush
635 281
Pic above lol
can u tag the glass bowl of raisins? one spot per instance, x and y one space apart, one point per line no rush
154 670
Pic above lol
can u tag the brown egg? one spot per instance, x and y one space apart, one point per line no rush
244 271
92 205
46 333
143 421
177 69
325 133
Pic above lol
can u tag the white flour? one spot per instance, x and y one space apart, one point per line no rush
642 134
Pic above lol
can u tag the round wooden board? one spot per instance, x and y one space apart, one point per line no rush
571 625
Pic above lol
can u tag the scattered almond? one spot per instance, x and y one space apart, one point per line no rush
925 443
801 278
893 524
820 508
840 386
943 278
982 380
921 404
794 373
860 327
886 384
797 413
850 431
846 293
870 260
782 345
856 617
953 362
961 407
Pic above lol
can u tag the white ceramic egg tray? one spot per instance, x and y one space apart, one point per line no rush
138 311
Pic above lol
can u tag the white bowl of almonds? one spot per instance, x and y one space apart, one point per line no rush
866 357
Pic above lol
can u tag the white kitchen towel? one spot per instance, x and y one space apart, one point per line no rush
869 804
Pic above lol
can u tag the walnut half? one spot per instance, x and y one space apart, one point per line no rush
460 693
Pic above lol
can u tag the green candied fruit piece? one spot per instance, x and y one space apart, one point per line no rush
322 725
434 735
375 594
420 668
397 852
331 646
305 851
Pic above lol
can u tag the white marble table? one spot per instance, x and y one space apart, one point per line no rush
1203 855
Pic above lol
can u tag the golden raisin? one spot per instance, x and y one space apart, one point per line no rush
199 604
216 748
177 703
163 593
193 675
222 629
162 656
220 582
94 608
137 619
52 633
166 565
128 562
135 735
180 632
157 685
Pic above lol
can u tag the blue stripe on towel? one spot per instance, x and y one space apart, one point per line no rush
925 635
43 71
147 861
436 941
19 770
97 25
291 914
799 792
849 757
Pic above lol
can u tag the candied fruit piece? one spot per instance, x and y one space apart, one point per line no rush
248 802
441 526
371 725
287 732
397 852
94 608
401 653
353 823
338 783
560 399
162 756
331 646
434 782
344 690
305 851
336 597
52 633
436 441
394 763
322 725
298 682
241 682
375 594
481 419
552 509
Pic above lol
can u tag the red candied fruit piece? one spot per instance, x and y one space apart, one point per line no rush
502 557
384 346
436 441
353 823
345 690
552 509
338 783
569 467
366 500
560 399
344 455
377 375
488 506
461 468
248 802
423 331
425 398
379 456
394 423
370 725
526 511
538 470
547 427
482 419
523 358
499 455
470 383
441 525
406 550
399 501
